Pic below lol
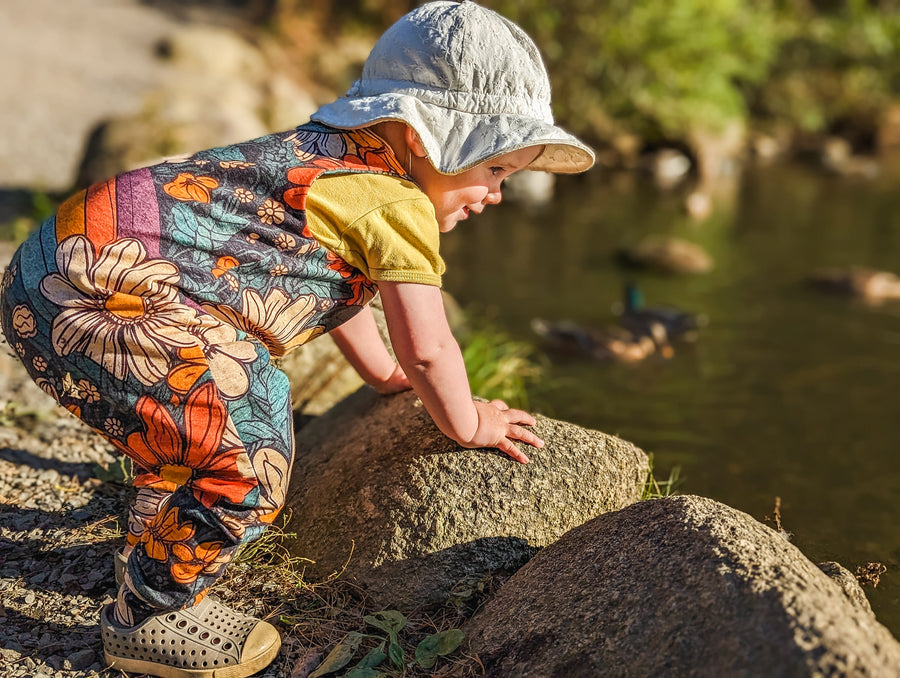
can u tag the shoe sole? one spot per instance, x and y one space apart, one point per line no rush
242 670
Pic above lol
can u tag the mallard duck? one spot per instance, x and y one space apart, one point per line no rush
613 343
864 283
660 323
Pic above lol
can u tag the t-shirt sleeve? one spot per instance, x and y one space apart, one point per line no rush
399 242
383 226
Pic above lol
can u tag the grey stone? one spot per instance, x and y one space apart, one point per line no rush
80 660
667 254
378 489
683 586
849 585
320 376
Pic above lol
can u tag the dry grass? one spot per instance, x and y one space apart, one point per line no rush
315 616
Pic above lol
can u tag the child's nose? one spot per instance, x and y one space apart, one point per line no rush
493 197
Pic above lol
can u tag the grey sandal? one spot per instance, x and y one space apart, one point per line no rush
207 640
121 563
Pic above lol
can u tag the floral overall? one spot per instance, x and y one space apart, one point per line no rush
150 307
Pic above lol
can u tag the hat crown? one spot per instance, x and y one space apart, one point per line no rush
462 56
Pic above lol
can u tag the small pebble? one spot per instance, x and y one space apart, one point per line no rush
80 660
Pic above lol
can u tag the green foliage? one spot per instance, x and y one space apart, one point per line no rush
662 69
658 489
499 367
655 67
390 623
119 471
833 67
438 645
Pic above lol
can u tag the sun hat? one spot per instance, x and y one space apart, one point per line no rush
470 82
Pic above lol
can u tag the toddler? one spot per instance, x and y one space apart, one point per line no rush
151 305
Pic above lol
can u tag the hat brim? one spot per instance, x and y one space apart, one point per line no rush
469 139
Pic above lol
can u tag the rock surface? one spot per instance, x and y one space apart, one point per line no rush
221 89
668 255
376 488
68 66
683 586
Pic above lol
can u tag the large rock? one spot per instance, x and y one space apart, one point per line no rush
221 89
667 254
376 488
682 586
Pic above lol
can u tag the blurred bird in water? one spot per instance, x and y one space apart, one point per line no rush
870 285
613 343
661 323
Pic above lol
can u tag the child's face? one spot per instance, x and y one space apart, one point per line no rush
456 196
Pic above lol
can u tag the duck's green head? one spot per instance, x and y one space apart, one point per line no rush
634 298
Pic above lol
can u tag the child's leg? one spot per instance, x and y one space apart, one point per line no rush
213 484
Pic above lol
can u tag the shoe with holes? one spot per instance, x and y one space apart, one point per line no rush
207 640
121 563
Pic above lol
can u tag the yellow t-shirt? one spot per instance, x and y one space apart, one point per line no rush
381 224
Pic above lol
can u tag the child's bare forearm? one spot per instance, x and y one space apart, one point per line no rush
362 346
426 349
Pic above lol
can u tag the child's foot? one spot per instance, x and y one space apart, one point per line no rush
207 640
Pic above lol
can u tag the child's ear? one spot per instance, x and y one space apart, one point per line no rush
414 143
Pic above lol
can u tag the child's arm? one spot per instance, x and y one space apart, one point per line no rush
362 346
430 356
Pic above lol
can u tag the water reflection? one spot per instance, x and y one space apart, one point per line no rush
788 393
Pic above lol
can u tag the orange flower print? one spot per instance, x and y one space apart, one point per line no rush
302 177
164 532
223 264
189 187
192 455
363 290
207 558
186 373
219 351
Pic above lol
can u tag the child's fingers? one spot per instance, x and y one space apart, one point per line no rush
519 417
525 435
509 448
499 404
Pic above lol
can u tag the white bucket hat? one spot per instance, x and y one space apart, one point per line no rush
469 82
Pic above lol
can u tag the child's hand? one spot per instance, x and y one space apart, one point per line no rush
499 426
395 383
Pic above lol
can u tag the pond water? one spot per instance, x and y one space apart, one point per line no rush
788 392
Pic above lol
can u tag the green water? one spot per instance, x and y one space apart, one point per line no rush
788 393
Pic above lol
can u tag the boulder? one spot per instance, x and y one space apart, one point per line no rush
379 494
221 89
682 586
667 254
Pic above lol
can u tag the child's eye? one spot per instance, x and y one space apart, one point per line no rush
496 171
